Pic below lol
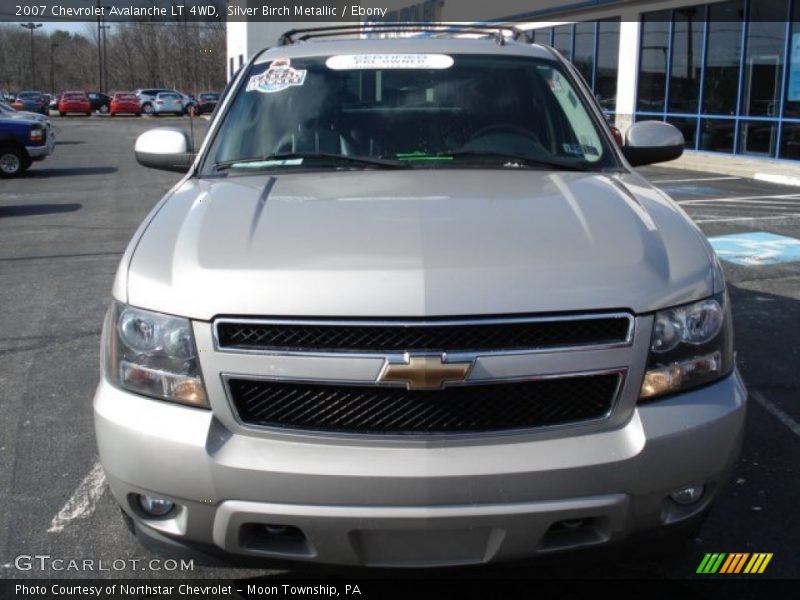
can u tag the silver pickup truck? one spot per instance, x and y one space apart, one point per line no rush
410 306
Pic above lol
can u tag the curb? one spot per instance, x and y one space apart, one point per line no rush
779 179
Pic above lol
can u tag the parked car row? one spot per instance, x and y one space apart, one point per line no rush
150 101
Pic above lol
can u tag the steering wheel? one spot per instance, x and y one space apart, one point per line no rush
505 128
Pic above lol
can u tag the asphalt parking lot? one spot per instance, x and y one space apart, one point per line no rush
64 226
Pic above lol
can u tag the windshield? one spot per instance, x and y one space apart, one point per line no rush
418 110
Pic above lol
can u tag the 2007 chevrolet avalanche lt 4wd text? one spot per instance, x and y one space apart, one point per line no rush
411 305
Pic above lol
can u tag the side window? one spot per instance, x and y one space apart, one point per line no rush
585 143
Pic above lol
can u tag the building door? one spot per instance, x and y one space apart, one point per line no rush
761 97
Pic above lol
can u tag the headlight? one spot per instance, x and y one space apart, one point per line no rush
152 354
691 345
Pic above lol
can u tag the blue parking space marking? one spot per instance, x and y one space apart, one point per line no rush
689 190
756 248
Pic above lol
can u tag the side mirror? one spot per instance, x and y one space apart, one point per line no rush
164 148
649 142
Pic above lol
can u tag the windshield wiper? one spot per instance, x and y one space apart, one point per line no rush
513 158
326 156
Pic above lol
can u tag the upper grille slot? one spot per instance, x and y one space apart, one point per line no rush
424 336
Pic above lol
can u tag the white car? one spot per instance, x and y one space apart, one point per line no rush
168 103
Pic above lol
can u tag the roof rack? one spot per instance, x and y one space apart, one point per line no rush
301 35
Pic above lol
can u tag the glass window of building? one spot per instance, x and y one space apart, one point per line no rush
607 61
562 40
653 61
717 135
766 39
724 51
687 59
584 51
543 36
791 106
790 141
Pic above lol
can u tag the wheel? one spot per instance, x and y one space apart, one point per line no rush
88 114
112 114
148 108
62 113
13 161
104 109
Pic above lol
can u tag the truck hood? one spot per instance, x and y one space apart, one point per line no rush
421 243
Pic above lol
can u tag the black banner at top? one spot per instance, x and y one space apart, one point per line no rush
350 11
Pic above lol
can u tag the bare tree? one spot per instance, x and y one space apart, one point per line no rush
186 55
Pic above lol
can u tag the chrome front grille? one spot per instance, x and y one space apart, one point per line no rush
442 335
519 372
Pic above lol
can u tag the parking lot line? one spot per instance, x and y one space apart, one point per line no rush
733 219
83 500
656 181
776 412
739 199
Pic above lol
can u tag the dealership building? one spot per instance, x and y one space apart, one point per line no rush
726 73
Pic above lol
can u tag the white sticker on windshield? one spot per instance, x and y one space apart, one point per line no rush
344 62
279 76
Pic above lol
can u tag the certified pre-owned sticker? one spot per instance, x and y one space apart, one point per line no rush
279 76
344 62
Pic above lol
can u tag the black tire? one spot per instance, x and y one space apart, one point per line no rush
63 114
13 161
147 108
103 109
88 114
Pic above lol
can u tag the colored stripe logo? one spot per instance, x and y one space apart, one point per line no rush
734 563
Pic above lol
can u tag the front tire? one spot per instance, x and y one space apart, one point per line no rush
61 113
13 161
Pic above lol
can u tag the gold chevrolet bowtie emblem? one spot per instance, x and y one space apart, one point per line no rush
424 372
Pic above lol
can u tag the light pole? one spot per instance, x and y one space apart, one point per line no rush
52 69
99 49
32 27
105 59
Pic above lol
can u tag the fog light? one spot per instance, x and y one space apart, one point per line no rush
155 506
688 495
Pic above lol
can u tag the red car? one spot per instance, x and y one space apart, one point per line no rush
74 102
125 102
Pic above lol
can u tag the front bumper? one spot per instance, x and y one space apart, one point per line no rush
46 149
394 504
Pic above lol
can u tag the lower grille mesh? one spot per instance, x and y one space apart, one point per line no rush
389 410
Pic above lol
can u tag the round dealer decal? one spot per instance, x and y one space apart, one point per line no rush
279 76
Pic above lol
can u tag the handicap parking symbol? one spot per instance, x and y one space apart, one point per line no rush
756 248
